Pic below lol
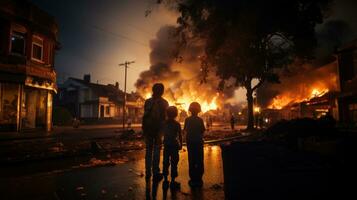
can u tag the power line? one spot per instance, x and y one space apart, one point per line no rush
119 35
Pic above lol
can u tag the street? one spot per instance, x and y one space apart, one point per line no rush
121 181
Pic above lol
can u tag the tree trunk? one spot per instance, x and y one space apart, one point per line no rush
250 125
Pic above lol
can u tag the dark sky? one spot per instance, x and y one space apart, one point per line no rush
97 35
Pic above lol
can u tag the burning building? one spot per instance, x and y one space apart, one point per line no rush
180 75
311 93
28 40
329 89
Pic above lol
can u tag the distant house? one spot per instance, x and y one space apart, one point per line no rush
347 68
91 101
28 41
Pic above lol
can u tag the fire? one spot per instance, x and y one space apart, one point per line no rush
257 109
318 93
183 103
281 101
305 86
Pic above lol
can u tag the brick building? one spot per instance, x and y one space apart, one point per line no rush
28 41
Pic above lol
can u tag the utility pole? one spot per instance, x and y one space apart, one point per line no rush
126 65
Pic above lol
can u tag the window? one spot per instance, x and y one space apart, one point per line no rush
86 94
8 103
37 49
107 110
17 43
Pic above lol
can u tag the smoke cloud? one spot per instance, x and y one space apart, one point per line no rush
182 77
298 79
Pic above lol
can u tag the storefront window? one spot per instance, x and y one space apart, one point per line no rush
8 106
34 107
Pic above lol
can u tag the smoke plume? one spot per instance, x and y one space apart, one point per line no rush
181 77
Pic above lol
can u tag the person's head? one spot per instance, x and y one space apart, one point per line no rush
172 112
194 108
158 90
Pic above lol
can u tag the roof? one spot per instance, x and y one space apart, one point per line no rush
110 91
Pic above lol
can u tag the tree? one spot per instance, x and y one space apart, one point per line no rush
248 39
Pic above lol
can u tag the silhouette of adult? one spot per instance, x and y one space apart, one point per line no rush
153 119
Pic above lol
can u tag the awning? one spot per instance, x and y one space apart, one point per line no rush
40 83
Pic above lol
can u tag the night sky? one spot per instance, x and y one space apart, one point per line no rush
98 35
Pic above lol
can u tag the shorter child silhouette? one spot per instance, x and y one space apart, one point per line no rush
172 145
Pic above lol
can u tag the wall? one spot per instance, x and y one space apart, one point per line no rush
86 111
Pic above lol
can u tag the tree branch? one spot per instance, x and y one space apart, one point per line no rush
261 81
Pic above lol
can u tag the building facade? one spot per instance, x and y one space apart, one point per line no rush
28 41
347 70
92 102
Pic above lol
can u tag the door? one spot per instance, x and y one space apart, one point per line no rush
101 111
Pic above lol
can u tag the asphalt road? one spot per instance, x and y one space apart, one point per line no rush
120 181
87 131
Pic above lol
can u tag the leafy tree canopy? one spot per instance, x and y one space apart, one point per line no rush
248 39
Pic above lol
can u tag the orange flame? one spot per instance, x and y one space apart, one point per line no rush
305 86
183 103
281 101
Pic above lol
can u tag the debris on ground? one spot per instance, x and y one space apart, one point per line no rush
94 162
96 147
